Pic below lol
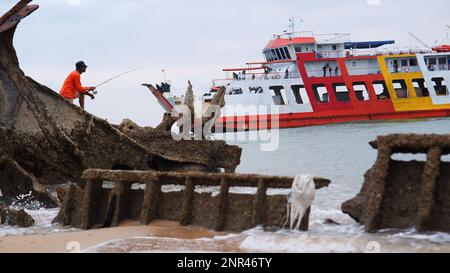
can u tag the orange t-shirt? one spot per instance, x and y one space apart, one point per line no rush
72 86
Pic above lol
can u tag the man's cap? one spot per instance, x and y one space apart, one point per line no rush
80 65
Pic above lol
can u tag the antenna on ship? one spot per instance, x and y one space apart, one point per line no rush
419 40
164 73
292 25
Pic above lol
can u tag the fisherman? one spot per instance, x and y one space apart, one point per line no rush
72 88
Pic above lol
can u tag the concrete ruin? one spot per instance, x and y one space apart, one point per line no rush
402 195
47 140
208 156
13 217
138 195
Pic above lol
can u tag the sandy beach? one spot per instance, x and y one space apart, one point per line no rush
80 241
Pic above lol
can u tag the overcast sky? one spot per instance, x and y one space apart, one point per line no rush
193 40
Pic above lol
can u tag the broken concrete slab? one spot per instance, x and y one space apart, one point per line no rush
138 195
209 156
405 194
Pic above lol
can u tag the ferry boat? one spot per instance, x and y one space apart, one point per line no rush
324 79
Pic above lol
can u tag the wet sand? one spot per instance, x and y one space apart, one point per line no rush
165 234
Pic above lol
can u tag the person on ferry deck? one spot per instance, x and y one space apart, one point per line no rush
396 67
325 67
336 71
286 74
253 76
330 69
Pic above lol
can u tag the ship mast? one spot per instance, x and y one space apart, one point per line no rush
292 25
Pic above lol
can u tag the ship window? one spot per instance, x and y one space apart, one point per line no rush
400 89
404 62
298 90
440 86
283 55
236 91
413 62
320 93
298 49
432 62
381 90
288 55
268 56
420 86
278 95
334 47
341 91
278 54
442 63
256 90
361 91
274 54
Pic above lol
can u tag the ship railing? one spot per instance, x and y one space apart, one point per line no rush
369 70
407 69
370 52
257 76
325 54
439 67
404 51
320 37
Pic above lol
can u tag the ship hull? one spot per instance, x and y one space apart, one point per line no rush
284 121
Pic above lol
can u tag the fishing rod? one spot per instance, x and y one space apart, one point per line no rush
113 78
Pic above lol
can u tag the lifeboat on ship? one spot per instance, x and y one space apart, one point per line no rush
442 48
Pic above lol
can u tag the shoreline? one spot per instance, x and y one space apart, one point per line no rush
79 241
